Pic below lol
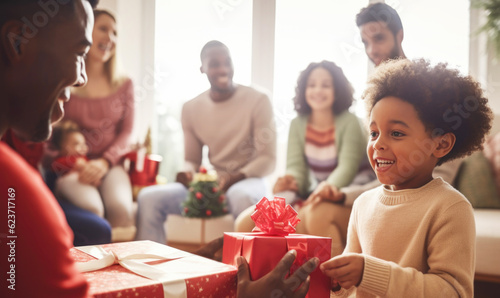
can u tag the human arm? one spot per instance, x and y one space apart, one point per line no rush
263 140
351 142
449 257
211 249
193 146
296 165
275 282
46 267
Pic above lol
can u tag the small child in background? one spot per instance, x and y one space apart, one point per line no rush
414 236
70 142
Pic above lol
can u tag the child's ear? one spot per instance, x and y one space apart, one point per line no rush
445 144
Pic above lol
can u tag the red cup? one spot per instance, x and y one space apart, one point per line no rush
147 175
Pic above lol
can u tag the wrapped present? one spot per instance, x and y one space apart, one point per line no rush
142 168
183 229
150 269
275 222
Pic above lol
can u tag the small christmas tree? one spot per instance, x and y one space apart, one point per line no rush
205 199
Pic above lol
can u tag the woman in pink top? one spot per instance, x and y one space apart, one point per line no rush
104 110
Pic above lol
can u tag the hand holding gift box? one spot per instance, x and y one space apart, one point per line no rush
263 250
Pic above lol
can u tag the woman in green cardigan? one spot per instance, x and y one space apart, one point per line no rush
326 151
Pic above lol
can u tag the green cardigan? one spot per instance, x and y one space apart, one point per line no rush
350 142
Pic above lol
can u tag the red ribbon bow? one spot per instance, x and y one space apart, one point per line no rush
274 217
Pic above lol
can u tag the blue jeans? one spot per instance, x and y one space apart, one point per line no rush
88 228
155 203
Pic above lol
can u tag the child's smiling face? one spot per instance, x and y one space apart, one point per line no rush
400 149
320 92
74 145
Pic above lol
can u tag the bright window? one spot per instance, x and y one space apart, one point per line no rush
436 30
306 31
182 28
311 31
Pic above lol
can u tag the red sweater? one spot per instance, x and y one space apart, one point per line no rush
35 238
63 164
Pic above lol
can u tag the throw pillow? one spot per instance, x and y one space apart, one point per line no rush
476 182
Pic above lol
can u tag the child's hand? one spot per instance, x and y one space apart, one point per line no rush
79 164
284 183
346 269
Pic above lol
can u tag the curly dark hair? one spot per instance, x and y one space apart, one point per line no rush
61 131
445 101
342 88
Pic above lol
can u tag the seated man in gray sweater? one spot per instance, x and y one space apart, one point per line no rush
236 123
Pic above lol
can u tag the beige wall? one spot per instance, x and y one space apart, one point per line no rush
135 45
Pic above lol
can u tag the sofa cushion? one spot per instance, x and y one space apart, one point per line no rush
487 242
476 182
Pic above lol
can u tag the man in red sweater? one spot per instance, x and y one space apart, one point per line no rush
42 49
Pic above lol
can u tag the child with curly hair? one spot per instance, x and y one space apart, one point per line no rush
325 151
414 236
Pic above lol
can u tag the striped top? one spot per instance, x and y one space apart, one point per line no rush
320 151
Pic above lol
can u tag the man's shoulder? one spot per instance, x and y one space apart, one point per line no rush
17 172
194 103
11 161
200 97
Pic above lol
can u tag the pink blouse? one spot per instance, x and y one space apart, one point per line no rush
105 122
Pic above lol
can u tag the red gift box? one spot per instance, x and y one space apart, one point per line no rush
172 272
264 250
142 168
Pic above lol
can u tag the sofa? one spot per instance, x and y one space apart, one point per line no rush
479 180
